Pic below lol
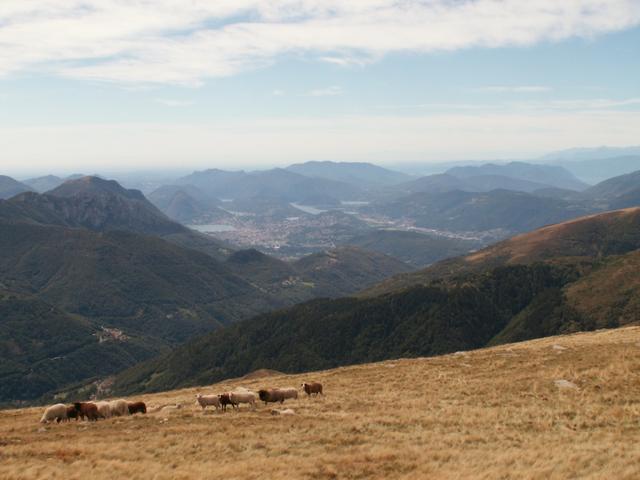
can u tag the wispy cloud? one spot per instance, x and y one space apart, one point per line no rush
349 61
278 93
167 102
177 42
512 89
331 91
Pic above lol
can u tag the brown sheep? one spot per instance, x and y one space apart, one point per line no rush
225 399
137 407
312 388
272 396
71 413
88 410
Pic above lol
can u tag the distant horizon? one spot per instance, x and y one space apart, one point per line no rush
410 167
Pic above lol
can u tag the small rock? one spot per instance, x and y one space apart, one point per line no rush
564 384
558 348
42 429
287 411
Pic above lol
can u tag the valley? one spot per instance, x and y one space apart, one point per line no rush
383 258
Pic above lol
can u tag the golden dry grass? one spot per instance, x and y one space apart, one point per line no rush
492 413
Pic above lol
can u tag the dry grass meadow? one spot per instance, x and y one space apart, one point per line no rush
495 413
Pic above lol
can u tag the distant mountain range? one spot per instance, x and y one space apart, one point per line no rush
48 182
588 154
594 165
504 211
559 279
131 282
103 257
278 183
10 187
507 212
362 174
187 204
545 175
446 182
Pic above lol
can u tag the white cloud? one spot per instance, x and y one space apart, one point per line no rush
167 102
178 42
331 91
278 93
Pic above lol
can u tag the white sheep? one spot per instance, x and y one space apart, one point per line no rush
242 395
104 409
119 408
56 412
206 400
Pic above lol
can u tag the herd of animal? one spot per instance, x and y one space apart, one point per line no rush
93 411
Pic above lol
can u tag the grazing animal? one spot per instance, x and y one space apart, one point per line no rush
119 408
87 410
314 388
206 400
243 396
137 407
289 392
57 412
225 400
104 409
71 413
272 396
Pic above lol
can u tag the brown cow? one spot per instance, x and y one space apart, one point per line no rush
87 410
225 399
312 388
137 407
272 396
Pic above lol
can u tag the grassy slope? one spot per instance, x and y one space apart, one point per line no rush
491 413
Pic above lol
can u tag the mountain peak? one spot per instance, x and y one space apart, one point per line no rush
92 185
10 187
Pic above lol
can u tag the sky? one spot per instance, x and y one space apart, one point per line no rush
99 85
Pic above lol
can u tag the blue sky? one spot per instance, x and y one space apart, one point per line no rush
252 83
